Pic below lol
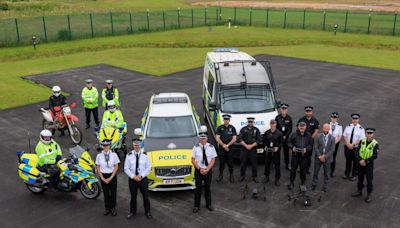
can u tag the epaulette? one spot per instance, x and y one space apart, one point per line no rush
361 127
211 145
197 145
144 152
129 153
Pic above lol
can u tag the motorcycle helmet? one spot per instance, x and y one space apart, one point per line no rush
46 136
56 91
111 106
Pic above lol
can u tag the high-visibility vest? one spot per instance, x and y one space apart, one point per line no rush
367 151
90 97
47 153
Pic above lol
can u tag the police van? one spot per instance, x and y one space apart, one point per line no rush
235 83
169 130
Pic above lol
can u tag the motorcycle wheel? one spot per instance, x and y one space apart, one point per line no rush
90 193
49 126
76 134
35 190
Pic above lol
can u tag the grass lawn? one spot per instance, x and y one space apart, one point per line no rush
179 50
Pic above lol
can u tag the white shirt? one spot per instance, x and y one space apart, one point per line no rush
197 154
338 132
144 167
359 133
107 167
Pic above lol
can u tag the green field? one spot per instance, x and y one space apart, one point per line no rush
179 50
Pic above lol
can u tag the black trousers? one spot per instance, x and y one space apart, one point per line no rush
366 171
202 181
333 164
95 112
110 192
244 156
225 157
275 158
309 155
302 161
285 152
143 186
351 162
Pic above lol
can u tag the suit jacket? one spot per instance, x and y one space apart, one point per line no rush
319 146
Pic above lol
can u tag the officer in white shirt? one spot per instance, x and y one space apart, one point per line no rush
107 168
352 136
137 167
203 159
337 132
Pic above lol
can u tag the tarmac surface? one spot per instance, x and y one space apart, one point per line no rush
373 93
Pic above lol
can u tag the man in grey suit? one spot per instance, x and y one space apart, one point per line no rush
324 147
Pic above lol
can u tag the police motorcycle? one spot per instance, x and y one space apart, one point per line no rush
63 118
77 172
115 134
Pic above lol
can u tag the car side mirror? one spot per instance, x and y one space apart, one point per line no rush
212 106
138 131
203 128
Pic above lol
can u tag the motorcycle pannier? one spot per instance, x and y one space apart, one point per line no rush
28 173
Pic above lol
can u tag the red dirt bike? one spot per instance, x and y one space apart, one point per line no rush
63 118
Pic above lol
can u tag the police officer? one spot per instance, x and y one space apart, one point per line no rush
90 102
249 138
300 143
137 167
336 131
225 137
272 141
112 117
107 169
366 155
285 125
352 136
203 159
57 99
110 93
49 152
312 128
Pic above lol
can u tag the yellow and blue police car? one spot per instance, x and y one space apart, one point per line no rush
169 130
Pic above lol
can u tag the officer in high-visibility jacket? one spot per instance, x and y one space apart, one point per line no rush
90 98
368 152
49 152
110 93
112 117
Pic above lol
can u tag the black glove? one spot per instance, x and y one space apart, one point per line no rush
58 158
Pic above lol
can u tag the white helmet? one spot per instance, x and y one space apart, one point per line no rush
46 136
56 90
111 106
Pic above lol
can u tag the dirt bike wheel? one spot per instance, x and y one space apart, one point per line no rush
48 125
76 134
90 193
35 190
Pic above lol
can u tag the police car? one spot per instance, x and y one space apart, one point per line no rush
235 83
169 130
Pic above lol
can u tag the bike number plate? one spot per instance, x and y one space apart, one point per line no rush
173 181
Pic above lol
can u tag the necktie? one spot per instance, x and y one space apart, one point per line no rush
204 156
352 134
137 165
333 127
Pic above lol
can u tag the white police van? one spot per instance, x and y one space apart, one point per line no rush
235 83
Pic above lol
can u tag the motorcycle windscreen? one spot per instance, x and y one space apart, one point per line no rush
109 133
85 161
28 173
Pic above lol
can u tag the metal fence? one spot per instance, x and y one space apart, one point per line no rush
70 27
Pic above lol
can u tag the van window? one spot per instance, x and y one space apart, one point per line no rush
210 84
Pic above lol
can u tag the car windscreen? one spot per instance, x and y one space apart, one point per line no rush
250 99
171 127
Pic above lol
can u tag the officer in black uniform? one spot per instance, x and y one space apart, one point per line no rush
249 138
312 128
225 137
366 155
300 142
272 141
285 125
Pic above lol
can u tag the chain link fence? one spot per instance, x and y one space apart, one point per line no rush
59 28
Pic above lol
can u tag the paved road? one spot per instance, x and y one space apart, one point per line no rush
328 87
